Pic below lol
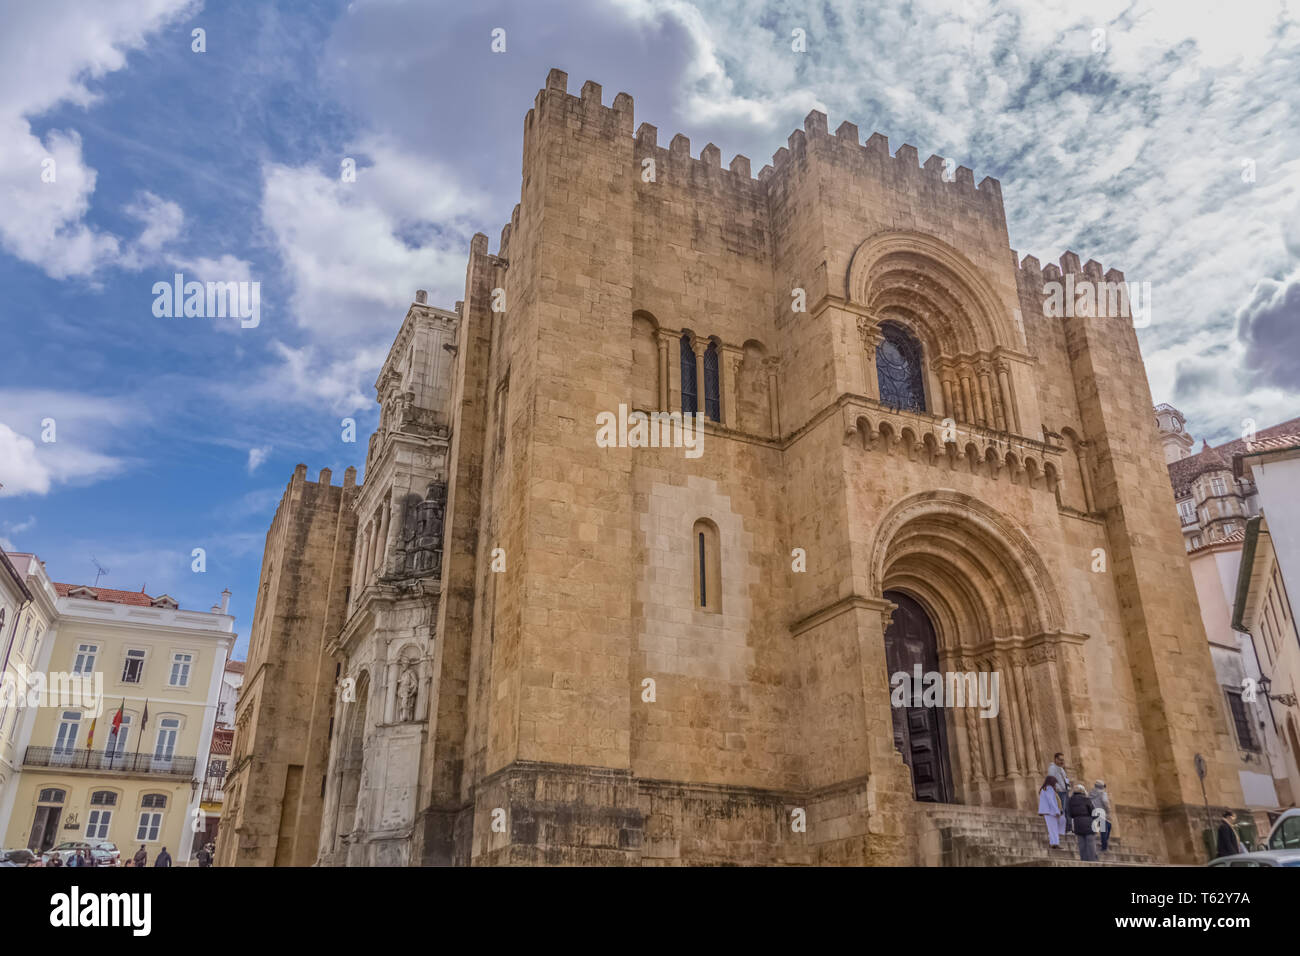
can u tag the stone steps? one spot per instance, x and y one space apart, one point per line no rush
999 836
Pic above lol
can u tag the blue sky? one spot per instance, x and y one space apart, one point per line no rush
177 433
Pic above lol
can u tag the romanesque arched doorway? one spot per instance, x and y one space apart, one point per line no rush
920 733
967 582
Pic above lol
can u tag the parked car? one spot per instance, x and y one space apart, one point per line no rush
1285 834
1260 858
19 858
109 848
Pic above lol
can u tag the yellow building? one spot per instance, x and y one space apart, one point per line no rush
161 666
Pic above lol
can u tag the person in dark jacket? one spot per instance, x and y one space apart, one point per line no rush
1229 842
1080 813
141 858
164 858
204 856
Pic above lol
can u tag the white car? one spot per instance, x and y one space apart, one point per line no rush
1285 834
1260 858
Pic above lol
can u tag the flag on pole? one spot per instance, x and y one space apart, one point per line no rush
90 740
145 718
117 719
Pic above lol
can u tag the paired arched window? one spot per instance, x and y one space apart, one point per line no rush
691 385
899 369
690 394
706 556
712 401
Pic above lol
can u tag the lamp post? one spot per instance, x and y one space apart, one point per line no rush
1286 700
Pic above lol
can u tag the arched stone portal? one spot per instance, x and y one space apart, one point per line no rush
998 637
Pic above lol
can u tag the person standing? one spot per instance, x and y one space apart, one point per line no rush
204 857
1050 810
1080 809
164 858
1229 842
1101 801
141 858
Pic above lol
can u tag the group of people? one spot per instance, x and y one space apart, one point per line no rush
82 857
1066 810
204 856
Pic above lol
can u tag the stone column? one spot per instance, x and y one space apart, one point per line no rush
390 692
773 406
992 403
945 382
700 346
1008 399
384 550
365 559
869 333
670 374
662 342
967 403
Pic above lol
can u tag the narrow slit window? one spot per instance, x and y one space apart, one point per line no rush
707 559
712 401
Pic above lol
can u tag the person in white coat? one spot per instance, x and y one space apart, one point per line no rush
1049 808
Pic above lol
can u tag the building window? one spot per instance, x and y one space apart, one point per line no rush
1196 541
690 396
165 748
115 747
898 368
707 559
65 738
100 814
51 795
85 662
1241 720
1217 487
712 401
181 670
151 808
133 669
1187 510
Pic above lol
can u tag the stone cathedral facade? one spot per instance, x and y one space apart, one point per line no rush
517 645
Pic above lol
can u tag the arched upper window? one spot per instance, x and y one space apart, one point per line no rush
899 368
712 402
690 394
706 556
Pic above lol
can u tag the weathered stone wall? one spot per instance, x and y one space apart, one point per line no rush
282 717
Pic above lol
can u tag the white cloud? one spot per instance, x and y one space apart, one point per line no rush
89 436
256 456
44 221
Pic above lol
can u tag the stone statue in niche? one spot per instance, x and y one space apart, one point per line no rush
407 686
420 549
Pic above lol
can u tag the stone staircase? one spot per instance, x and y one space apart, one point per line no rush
956 835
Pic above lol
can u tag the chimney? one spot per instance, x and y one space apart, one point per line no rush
225 601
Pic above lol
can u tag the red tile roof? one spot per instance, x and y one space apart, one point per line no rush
235 667
137 598
1186 470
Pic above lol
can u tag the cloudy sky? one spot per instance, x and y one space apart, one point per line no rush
1161 138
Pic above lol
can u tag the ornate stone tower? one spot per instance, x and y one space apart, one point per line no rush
383 649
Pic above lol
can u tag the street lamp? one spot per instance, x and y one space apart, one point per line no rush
1286 700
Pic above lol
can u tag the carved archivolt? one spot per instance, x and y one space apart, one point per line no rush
971 566
935 289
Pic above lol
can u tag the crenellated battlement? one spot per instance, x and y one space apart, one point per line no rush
1034 274
845 143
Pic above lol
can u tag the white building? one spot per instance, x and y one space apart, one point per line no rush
1270 568
27 612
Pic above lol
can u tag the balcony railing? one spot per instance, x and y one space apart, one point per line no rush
99 760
